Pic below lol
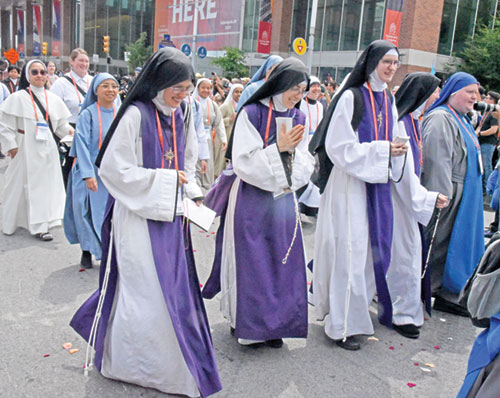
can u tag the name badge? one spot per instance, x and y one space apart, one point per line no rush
480 160
42 131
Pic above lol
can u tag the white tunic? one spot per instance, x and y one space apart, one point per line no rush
34 193
343 277
141 346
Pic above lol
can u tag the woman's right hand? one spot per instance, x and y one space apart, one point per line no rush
398 148
13 152
288 140
91 184
182 177
442 201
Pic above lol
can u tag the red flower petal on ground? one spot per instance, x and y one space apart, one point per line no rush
436 347
81 270
213 233
201 284
411 385
207 236
391 347
416 363
46 355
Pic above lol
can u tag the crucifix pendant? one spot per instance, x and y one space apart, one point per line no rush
379 119
169 156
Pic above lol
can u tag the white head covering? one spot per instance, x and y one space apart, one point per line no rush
28 66
229 97
196 94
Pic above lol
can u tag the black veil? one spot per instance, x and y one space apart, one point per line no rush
416 88
165 68
286 75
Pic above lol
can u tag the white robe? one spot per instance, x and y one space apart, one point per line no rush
34 195
263 168
343 277
141 346
411 206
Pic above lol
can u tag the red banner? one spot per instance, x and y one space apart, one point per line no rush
219 23
56 28
392 26
265 27
264 40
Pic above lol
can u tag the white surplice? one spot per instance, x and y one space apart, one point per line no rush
262 168
343 277
412 204
34 193
141 346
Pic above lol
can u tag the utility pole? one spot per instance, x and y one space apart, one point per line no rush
312 28
195 32
81 31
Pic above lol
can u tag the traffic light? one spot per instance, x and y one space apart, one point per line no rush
45 48
105 44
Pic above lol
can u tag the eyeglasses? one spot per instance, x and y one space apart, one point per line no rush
35 72
298 90
109 86
179 89
389 62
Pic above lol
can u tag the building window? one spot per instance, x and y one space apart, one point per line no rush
373 20
300 19
331 25
485 13
251 25
447 26
350 25
465 24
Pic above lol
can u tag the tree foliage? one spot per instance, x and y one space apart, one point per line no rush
481 57
232 63
138 52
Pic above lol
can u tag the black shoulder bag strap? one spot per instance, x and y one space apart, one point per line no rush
81 90
42 109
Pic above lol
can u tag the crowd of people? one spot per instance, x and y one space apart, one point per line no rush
395 182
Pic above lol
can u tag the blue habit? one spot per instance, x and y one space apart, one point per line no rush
84 211
467 241
485 349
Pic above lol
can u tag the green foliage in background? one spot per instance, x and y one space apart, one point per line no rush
232 63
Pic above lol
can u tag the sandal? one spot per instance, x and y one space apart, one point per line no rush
45 236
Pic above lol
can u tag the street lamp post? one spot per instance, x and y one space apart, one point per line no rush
195 32
312 28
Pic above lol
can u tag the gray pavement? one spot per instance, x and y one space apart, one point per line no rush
41 288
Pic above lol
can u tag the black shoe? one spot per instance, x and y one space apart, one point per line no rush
232 331
277 343
2 156
440 304
409 330
86 261
350 343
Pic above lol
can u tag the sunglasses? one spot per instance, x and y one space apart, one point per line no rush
35 72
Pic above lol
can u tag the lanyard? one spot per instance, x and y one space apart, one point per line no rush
418 138
472 137
11 86
208 116
170 155
76 88
317 114
269 114
372 102
100 123
46 104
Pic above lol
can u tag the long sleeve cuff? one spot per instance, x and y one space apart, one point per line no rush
424 216
167 201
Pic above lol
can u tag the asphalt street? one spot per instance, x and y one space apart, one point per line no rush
41 288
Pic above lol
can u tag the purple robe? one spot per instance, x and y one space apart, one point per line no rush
379 204
175 266
271 296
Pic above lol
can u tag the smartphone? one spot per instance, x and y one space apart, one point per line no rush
399 139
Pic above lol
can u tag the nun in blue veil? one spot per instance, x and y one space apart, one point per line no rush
258 79
86 195
452 165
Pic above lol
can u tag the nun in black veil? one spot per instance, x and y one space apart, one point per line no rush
259 265
356 221
147 321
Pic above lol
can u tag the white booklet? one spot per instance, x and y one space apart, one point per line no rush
201 216
67 139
